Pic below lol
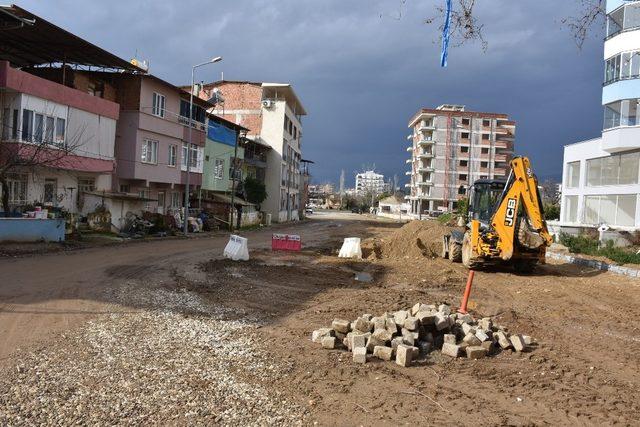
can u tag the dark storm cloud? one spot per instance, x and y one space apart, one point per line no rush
361 72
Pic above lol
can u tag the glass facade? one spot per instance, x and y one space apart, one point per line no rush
621 169
623 66
610 209
622 19
621 113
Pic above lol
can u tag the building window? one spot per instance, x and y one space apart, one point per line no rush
486 123
462 191
49 130
60 131
484 164
572 179
622 113
570 212
623 66
176 200
611 209
27 125
17 188
484 150
173 155
622 19
465 122
86 184
38 130
462 177
218 171
198 113
50 191
125 188
145 194
485 136
6 121
149 151
193 156
464 149
619 169
464 135
158 105
464 163
14 126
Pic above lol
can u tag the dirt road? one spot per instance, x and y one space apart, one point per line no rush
176 334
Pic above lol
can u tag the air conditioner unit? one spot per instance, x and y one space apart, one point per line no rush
267 103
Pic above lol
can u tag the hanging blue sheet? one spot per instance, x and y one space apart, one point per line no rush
445 36
220 133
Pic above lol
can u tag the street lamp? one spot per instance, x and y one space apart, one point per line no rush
186 193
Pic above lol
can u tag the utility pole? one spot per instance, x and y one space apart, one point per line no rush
341 186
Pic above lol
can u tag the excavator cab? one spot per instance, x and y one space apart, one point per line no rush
483 198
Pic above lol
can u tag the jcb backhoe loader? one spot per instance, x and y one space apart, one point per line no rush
505 223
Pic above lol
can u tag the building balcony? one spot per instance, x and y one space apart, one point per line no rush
408 173
426 169
408 161
426 142
499 172
426 155
410 148
500 157
425 183
501 144
621 139
426 127
407 185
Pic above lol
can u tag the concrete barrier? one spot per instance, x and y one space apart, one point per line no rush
237 249
351 248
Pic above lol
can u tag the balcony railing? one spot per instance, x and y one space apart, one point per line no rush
425 141
426 155
194 124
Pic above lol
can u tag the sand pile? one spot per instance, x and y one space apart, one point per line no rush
415 239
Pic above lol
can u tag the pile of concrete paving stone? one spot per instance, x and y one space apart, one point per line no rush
408 335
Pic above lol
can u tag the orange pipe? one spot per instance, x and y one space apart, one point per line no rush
467 292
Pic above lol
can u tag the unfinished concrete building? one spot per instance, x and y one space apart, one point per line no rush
450 149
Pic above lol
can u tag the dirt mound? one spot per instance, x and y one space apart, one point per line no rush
415 239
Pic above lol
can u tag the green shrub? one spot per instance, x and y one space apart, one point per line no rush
445 218
551 211
589 246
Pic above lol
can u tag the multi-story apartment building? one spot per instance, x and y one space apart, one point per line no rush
370 182
273 114
58 126
450 149
600 181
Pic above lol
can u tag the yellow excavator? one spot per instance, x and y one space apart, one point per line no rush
505 223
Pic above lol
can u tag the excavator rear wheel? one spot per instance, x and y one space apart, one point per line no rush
469 259
455 251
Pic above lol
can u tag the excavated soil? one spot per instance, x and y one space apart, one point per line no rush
414 239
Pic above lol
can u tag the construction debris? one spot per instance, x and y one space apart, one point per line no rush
409 335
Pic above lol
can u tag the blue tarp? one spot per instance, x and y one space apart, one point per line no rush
220 133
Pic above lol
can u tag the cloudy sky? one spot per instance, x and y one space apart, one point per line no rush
362 68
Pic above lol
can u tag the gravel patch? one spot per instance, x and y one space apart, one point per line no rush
179 360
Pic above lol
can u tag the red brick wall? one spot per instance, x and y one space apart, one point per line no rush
240 96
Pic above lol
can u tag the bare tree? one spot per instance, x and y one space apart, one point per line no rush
32 147
466 27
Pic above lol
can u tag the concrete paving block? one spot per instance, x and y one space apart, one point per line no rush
408 337
411 323
476 352
378 323
362 325
466 318
485 323
390 325
450 338
358 341
482 335
441 321
360 355
417 308
383 352
450 349
396 342
404 354
425 317
517 342
341 325
488 345
503 340
467 328
527 339
444 309
329 342
400 316
471 339
318 334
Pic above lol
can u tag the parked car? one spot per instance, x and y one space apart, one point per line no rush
308 210
356 210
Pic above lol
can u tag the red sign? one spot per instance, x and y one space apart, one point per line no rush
286 242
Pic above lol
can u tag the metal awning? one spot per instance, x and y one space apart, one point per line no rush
26 40
227 199
120 196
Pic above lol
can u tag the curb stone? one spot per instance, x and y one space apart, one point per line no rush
600 265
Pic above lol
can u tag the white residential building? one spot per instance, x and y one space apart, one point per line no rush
600 183
370 182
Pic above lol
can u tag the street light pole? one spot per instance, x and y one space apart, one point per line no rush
188 159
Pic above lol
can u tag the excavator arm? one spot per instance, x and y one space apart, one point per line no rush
521 191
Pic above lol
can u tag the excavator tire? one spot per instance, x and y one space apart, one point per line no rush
455 251
469 259
445 247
